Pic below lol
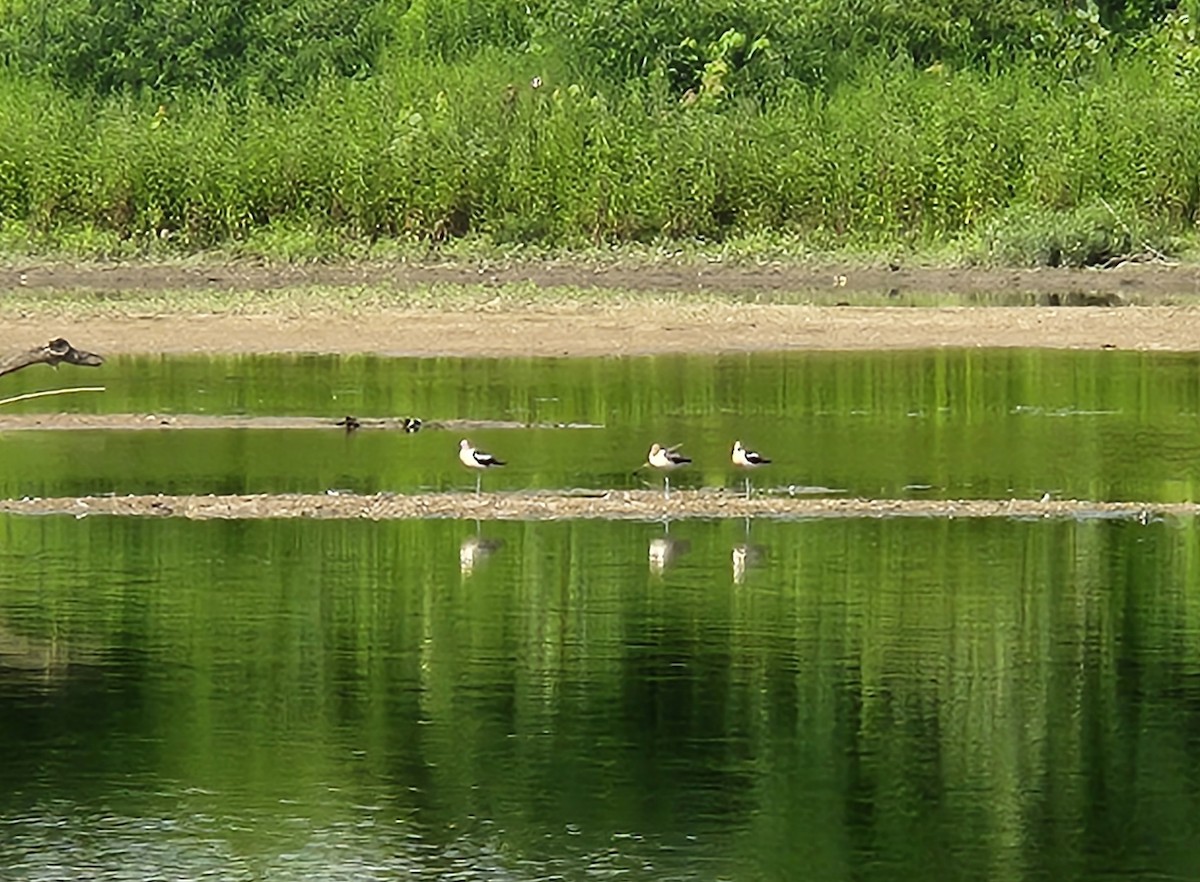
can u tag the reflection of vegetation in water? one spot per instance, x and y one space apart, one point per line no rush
982 675
889 689
23 656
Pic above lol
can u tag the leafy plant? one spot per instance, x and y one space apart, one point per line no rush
275 46
1092 235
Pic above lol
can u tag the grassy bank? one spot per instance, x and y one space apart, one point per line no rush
502 150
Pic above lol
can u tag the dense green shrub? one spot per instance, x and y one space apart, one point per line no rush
834 122
752 46
448 30
704 49
277 47
1089 235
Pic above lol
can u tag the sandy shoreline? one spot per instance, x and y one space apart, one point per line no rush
664 310
626 329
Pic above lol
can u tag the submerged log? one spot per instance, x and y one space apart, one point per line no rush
57 351
10 422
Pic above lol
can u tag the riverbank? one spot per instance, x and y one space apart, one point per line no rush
579 310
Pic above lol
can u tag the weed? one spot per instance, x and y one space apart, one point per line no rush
499 128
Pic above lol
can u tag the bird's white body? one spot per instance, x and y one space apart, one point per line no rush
666 459
476 459
747 459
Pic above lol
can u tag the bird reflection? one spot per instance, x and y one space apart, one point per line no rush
474 551
664 550
745 556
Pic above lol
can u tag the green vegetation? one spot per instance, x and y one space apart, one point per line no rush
1013 131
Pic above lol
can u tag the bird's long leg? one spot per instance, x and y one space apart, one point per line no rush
747 486
666 486
478 482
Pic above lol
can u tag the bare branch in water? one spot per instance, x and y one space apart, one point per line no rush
29 395
57 351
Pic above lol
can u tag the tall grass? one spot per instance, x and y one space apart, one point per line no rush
428 150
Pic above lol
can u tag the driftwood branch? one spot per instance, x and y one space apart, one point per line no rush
29 395
54 353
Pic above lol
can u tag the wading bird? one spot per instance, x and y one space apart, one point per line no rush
476 459
748 460
667 459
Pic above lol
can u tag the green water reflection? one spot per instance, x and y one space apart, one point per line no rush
858 699
1096 425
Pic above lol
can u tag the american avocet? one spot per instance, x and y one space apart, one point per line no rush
667 459
747 459
476 459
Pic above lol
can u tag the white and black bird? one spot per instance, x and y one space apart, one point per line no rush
667 459
748 460
476 459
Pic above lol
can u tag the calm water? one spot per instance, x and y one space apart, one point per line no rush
1099 425
344 700
850 699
